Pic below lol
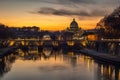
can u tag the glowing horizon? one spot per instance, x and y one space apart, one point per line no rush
52 25
55 14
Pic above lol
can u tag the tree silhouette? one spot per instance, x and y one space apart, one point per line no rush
111 24
5 33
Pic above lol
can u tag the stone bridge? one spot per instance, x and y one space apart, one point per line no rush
39 42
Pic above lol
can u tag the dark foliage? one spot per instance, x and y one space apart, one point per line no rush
111 24
5 33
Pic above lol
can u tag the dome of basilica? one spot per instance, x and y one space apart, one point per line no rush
74 24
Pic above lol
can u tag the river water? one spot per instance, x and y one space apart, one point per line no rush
50 64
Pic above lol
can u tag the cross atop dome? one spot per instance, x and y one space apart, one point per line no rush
73 19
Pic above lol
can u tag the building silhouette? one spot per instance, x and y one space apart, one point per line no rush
73 27
75 30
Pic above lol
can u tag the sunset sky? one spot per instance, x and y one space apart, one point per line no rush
54 14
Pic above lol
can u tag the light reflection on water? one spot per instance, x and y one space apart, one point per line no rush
54 65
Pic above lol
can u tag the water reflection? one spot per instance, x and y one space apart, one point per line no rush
47 52
6 64
50 64
108 72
